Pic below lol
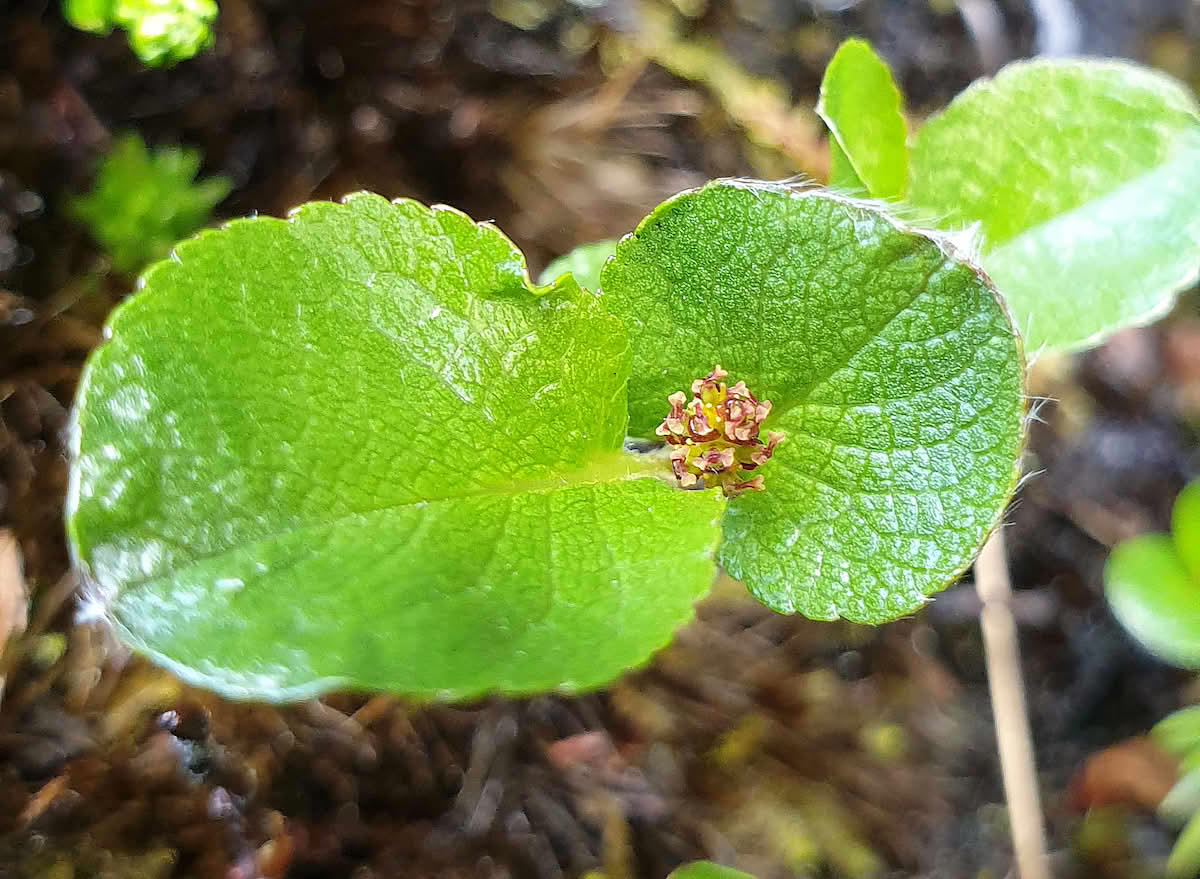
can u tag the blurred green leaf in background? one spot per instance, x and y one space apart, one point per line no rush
144 201
160 32
1153 585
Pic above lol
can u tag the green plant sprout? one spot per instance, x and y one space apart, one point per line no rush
1076 180
160 32
707 870
864 111
361 448
142 202
1179 735
1153 586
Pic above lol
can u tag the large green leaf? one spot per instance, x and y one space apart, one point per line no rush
892 367
1155 597
863 108
1082 177
359 449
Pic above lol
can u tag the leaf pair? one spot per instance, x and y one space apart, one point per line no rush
1079 178
360 448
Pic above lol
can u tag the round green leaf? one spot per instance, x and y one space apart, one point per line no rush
1156 598
357 448
1082 177
584 262
863 108
894 373
1185 526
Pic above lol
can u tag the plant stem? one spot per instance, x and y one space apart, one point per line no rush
1008 709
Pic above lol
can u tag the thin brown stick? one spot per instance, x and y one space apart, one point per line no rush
1008 708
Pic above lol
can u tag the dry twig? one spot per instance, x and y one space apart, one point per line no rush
1008 708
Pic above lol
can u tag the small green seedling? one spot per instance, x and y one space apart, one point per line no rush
1072 182
160 32
707 870
142 202
1076 179
361 448
1153 586
1179 736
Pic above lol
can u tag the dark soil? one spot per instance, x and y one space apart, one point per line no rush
787 747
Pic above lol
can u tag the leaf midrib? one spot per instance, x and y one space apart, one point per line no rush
599 471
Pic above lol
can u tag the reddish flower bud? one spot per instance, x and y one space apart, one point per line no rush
761 455
673 424
736 488
715 435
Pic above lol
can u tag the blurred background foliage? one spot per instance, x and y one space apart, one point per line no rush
143 202
159 31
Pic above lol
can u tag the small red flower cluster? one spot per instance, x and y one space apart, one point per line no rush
716 435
